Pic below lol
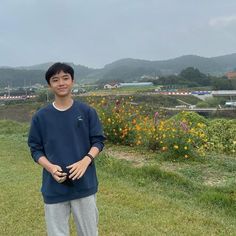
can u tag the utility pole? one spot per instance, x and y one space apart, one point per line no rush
47 96
8 91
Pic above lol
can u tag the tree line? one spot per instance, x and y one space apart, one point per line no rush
192 77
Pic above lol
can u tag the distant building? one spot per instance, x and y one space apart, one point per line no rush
149 77
231 75
111 86
75 90
78 90
118 85
230 103
136 84
37 86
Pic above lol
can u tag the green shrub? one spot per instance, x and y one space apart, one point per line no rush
192 118
222 135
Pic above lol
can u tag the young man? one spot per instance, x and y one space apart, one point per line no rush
64 138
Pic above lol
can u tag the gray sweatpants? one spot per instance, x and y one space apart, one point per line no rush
85 214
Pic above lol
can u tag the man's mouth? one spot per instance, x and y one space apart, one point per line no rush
61 89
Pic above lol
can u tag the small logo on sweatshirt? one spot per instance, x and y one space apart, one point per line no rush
79 120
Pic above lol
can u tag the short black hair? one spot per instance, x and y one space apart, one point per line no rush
57 68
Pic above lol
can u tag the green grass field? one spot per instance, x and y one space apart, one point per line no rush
157 197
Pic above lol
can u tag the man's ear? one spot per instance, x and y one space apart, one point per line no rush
73 83
50 88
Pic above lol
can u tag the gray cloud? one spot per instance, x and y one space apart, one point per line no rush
97 32
223 21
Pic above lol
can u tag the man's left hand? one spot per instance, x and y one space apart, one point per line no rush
78 169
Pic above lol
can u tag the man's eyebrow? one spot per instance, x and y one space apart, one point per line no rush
56 76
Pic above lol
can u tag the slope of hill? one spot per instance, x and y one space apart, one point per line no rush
29 75
173 66
228 62
80 70
20 77
43 66
132 69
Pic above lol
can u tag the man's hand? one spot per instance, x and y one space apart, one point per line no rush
55 170
57 173
78 169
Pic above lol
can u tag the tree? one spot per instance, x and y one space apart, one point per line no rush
221 83
192 74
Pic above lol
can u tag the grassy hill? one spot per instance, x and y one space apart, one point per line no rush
143 194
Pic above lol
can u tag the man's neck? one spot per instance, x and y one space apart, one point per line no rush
63 102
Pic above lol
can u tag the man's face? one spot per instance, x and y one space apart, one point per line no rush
61 84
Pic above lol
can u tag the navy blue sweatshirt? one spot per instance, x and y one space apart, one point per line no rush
65 137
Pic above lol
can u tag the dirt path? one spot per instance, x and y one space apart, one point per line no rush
138 159
210 176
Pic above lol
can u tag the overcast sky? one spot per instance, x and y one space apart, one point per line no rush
97 32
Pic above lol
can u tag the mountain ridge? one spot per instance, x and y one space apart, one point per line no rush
126 69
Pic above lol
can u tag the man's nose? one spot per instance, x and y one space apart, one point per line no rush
61 81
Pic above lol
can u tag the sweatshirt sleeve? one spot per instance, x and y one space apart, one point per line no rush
96 135
35 140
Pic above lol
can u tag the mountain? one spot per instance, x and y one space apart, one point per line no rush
132 69
80 70
20 77
29 75
228 62
43 67
173 66
127 69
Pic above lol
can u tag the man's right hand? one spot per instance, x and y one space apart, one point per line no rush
58 174
55 170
